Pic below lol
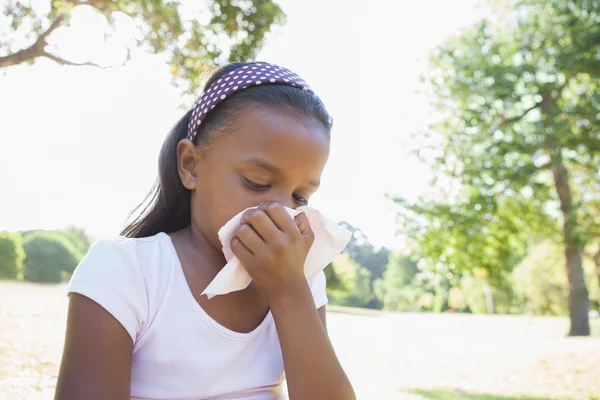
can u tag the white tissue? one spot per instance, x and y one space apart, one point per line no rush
330 240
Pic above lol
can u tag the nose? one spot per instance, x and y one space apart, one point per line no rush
282 198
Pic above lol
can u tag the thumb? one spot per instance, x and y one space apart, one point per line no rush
304 227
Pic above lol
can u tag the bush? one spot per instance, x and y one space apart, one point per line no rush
395 289
482 296
333 280
11 255
540 280
354 289
456 299
476 291
79 239
49 255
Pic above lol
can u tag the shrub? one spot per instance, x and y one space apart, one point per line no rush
79 239
11 255
395 289
354 289
540 280
49 255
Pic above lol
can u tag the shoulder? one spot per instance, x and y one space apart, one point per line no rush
121 275
136 256
105 258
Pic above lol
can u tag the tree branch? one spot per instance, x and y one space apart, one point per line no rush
65 62
508 121
36 49
545 104
91 3
546 166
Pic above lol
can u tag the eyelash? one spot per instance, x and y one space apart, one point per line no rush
261 188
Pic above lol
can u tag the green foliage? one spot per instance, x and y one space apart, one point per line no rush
11 255
333 279
365 254
395 289
474 232
456 299
517 141
78 238
355 289
541 283
194 36
49 256
442 394
483 298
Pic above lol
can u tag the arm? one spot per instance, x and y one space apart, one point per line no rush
311 366
273 248
96 362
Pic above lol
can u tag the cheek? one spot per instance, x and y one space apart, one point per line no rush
226 198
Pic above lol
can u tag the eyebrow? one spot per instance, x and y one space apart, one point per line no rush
260 163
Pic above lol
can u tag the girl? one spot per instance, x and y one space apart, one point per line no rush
137 325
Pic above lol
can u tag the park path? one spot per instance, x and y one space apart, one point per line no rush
385 354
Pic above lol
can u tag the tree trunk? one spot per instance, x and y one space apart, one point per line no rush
489 298
597 262
579 303
578 296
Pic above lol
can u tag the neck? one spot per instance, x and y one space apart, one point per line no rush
202 250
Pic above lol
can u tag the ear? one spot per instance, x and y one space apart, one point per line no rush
187 163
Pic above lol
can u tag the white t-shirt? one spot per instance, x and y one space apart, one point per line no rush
180 352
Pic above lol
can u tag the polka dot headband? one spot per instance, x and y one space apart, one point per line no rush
255 74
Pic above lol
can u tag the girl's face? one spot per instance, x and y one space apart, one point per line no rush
265 155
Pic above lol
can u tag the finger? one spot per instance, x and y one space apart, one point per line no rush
280 217
241 251
262 224
303 224
304 227
252 240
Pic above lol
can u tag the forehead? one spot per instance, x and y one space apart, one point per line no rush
282 138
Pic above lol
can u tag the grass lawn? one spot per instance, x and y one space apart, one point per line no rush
386 355
458 394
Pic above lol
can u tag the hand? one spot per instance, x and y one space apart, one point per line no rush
272 247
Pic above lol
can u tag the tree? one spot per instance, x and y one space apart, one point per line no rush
354 288
49 255
373 260
597 263
192 38
332 278
592 219
78 238
518 104
11 255
473 231
364 253
398 276
540 282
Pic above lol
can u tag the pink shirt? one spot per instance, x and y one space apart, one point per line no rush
180 352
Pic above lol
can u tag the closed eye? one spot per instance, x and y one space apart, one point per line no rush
260 188
300 200
256 186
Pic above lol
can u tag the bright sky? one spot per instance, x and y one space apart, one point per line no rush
80 145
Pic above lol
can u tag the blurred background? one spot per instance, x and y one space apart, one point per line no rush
465 159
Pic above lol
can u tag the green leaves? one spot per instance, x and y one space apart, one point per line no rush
195 39
516 98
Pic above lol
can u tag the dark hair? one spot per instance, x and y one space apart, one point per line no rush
167 206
